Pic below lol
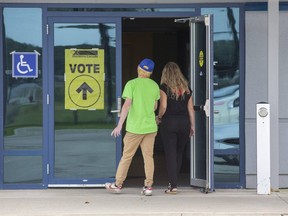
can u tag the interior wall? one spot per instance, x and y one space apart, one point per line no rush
165 50
135 47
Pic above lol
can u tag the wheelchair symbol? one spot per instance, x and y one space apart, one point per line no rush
22 66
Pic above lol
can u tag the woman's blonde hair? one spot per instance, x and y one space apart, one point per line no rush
174 79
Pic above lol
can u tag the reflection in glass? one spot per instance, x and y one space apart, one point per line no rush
88 35
22 97
83 145
22 169
24 26
226 168
226 75
172 9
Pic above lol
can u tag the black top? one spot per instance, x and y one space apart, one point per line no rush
176 108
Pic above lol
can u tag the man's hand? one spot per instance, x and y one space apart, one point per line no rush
116 132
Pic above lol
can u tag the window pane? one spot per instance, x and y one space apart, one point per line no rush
22 96
22 169
226 75
226 169
83 146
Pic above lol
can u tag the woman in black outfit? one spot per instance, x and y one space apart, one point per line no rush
176 115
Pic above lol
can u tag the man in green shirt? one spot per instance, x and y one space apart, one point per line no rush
141 99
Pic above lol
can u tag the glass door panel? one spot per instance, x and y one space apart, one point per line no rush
202 85
83 95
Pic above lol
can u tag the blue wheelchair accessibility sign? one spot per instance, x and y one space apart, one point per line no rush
25 64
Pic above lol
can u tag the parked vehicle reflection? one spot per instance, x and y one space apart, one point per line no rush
226 105
226 117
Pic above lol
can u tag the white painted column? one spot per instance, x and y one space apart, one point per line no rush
263 148
273 87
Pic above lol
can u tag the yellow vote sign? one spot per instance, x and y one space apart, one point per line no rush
84 79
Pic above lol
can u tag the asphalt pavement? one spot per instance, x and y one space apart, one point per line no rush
99 202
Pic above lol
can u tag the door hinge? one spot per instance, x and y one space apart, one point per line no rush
48 99
207 20
48 169
47 29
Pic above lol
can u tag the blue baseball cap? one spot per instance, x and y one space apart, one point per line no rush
147 65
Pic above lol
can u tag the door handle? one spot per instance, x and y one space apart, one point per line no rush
206 107
114 111
118 110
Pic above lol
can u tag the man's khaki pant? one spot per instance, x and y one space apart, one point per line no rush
131 144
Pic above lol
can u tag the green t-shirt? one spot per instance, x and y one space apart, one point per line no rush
143 92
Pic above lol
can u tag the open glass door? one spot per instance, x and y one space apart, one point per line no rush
202 85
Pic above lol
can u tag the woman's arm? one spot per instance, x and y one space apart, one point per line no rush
124 112
191 112
156 105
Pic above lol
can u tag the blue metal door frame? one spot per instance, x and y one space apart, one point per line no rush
51 17
118 16
1 107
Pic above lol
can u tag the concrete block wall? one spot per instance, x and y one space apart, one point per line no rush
256 90
283 100
256 84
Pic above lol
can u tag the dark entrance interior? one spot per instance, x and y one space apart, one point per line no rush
163 40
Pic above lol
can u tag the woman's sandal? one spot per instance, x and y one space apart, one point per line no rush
171 190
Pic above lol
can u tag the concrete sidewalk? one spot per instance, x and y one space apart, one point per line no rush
98 202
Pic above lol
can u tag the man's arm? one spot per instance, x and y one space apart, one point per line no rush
162 107
124 112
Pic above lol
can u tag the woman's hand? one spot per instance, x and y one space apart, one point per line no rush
192 131
158 120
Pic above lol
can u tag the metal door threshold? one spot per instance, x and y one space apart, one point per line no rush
75 185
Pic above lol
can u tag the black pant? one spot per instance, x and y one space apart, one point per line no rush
174 133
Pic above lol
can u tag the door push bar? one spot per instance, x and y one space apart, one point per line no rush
205 108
